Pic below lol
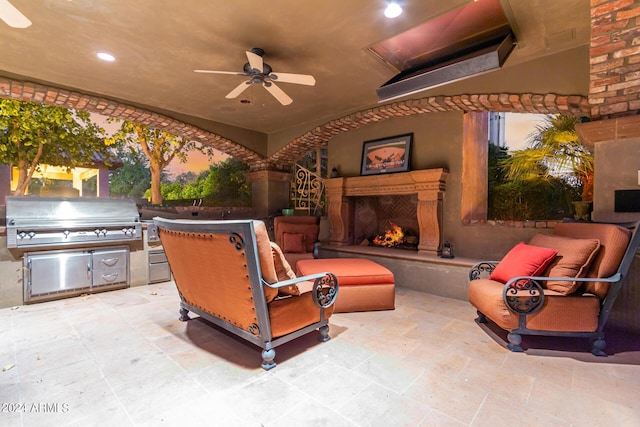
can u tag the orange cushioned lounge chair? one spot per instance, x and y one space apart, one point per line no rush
563 284
229 273
297 236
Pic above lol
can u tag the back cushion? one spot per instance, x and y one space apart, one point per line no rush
614 240
265 256
573 259
284 271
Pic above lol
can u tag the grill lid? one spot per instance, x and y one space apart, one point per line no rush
47 221
46 210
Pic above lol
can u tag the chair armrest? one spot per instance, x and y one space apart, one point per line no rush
325 287
482 267
525 294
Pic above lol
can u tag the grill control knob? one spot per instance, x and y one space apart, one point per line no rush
31 234
22 234
66 233
97 231
104 231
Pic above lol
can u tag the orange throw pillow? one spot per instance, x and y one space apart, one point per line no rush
523 260
293 243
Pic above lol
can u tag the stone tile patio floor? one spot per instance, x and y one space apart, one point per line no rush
122 358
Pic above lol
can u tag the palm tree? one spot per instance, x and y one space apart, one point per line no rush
554 150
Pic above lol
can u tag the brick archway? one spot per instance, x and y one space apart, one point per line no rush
27 91
503 102
500 102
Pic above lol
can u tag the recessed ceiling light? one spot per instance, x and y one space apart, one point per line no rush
393 10
106 56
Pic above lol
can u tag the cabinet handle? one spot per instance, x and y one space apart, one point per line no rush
110 261
88 271
110 277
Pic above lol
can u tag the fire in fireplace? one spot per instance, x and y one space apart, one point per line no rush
395 237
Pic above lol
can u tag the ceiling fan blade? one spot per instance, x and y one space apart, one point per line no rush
217 72
238 89
255 61
301 79
12 16
278 94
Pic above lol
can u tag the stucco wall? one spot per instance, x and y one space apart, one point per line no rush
437 143
616 168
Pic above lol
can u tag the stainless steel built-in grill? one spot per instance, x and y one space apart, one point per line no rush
83 228
40 222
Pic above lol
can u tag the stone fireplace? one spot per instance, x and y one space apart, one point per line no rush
415 198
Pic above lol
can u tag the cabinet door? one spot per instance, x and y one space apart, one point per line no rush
57 272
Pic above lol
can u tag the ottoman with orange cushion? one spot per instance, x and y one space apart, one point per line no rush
363 284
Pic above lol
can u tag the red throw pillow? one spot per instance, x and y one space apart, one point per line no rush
293 243
523 260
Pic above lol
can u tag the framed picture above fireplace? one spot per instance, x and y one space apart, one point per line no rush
386 155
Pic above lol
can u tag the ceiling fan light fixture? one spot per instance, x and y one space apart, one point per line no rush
106 56
393 10
12 16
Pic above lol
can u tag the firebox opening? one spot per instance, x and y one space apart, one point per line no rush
394 236
389 220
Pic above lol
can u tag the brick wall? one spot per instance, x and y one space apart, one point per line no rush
615 58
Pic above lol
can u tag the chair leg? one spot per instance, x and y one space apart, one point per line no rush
597 347
324 333
184 314
514 342
481 317
268 354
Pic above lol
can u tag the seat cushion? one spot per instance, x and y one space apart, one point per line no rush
287 315
523 260
349 271
561 313
573 259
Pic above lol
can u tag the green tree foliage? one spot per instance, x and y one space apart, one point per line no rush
223 184
160 148
538 197
227 184
133 178
33 134
555 151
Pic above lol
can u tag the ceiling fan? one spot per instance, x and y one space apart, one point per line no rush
260 72
12 16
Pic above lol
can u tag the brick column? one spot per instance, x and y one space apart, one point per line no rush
615 58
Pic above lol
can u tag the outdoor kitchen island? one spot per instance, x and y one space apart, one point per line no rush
54 248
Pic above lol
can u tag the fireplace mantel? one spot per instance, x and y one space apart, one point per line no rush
427 184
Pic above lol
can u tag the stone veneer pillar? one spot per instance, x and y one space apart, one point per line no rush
269 191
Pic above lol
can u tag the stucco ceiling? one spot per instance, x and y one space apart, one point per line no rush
158 44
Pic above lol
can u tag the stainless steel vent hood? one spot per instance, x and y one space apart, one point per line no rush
478 62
